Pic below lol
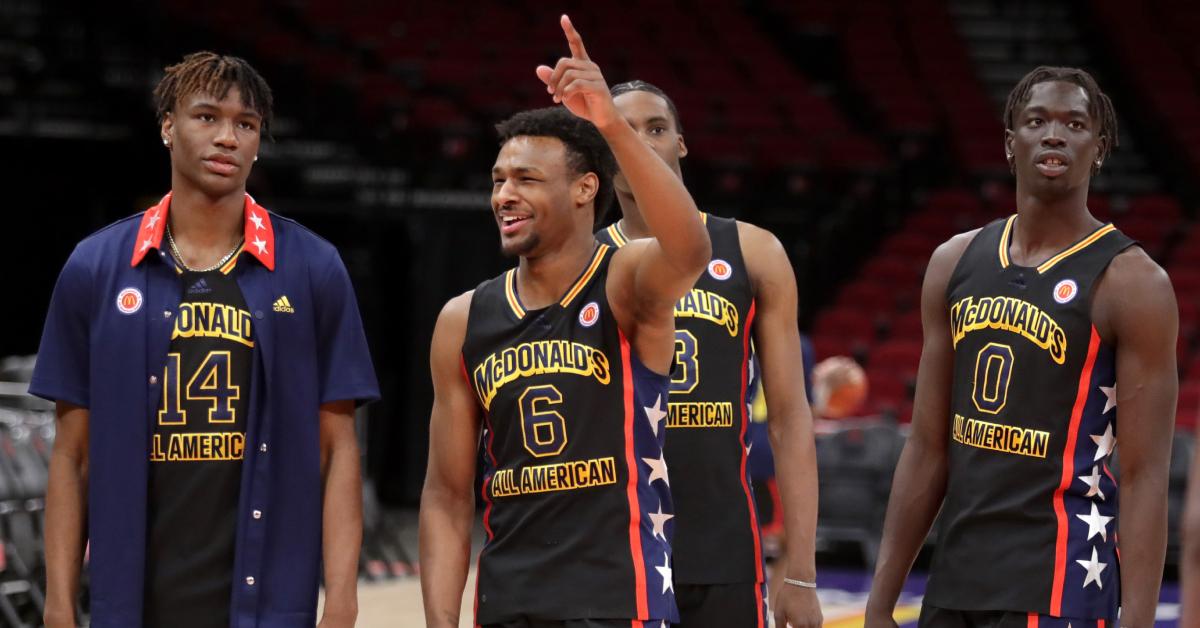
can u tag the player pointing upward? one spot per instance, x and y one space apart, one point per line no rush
564 360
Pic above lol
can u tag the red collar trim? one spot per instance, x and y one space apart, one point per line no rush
259 233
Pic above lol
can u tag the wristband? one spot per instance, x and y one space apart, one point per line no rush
800 583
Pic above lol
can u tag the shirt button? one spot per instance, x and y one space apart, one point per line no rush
263 448
258 314
250 580
166 313
257 514
153 380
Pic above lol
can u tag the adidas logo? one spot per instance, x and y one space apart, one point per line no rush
283 305
200 287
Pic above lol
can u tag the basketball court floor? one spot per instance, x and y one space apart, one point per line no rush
843 592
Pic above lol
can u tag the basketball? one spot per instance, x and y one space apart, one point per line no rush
840 387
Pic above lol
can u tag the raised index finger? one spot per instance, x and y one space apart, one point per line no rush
573 39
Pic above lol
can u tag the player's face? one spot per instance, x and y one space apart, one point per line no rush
213 142
533 194
651 118
1055 142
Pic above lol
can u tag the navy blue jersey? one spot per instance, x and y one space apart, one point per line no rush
578 505
1030 513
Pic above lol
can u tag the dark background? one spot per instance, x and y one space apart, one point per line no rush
860 132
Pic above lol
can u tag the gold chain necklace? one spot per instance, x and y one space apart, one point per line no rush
179 256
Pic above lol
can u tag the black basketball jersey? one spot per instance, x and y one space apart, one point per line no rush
1029 518
196 451
578 505
716 529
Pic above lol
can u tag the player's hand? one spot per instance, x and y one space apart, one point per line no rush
59 618
577 82
875 619
797 607
337 620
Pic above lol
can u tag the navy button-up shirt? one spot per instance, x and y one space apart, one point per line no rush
104 347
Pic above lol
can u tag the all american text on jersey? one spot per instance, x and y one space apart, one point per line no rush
559 476
999 437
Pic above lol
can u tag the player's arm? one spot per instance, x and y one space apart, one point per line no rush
66 514
1190 561
448 500
919 484
789 419
662 269
341 518
1136 302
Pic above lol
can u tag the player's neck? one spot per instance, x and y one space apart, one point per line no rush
1045 227
543 279
633 224
205 227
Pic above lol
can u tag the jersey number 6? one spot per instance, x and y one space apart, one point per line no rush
544 430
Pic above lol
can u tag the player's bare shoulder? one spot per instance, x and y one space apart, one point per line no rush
1133 287
762 252
451 328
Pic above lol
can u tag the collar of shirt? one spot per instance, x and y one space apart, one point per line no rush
259 234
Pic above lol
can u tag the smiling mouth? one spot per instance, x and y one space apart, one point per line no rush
510 224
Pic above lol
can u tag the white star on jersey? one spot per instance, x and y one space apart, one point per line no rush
1093 482
146 244
748 448
1094 567
659 519
658 470
1097 523
665 571
261 244
655 414
153 220
1110 397
1104 442
257 220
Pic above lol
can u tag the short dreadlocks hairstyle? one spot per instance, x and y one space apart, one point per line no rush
643 86
1099 105
586 149
213 74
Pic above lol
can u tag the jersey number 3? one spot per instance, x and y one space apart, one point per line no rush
687 356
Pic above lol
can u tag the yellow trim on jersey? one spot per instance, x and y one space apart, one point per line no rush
618 238
704 217
510 291
1006 237
1083 244
1004 240
229 266
598 257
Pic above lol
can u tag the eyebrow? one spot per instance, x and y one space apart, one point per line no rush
518 170
209 104
1043 111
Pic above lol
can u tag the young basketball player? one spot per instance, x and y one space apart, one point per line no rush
1039 329
564 363
748 292
205 356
